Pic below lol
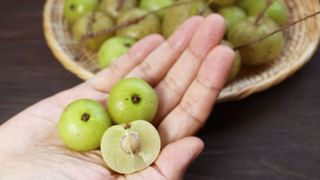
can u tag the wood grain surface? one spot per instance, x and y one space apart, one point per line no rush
273 135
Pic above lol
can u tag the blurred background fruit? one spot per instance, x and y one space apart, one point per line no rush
265 61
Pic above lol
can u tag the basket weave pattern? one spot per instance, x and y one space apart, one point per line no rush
301 42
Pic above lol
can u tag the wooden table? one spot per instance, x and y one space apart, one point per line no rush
273 135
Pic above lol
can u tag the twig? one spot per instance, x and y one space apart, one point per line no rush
135 20
263 12
277 30
92 20
120 4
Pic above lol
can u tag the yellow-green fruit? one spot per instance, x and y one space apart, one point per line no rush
74 9
263 51
232 15
148 25
221 2
112 49
132 99
278 10
114 7
82 125
175 16
153 5
236 64
100 23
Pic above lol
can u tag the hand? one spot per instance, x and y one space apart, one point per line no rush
187 71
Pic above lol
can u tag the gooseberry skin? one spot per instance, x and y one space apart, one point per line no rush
101 22
278 10
148 25
132 99
235 70
261 52
232 15
112 49
236 67
222 2
153 5
82 125
181 13
114 9
75 9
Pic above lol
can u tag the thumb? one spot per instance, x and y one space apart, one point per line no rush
176 157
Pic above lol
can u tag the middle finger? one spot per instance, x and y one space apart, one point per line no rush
171 89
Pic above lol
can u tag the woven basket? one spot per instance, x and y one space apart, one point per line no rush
301 42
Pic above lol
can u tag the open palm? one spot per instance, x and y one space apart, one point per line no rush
187 71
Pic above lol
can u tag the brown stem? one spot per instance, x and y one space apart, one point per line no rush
90 22
135 99
134 21
85 117
277 30
127 126
263 12
92 19
120 4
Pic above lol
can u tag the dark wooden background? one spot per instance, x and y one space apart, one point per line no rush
273 135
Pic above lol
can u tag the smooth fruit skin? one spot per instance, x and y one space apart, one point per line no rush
232 15
80 28
112 49
114 7
175 16
152 5
121 103
74 9
252 7
122 162
149 25
236 67
82 125
222 2
278 11
261 52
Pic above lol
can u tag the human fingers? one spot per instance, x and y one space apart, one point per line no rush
160 61
171 89
197 103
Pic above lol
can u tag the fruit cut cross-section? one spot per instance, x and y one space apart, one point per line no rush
132 147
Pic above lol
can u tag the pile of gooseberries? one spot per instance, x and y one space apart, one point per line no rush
111 27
